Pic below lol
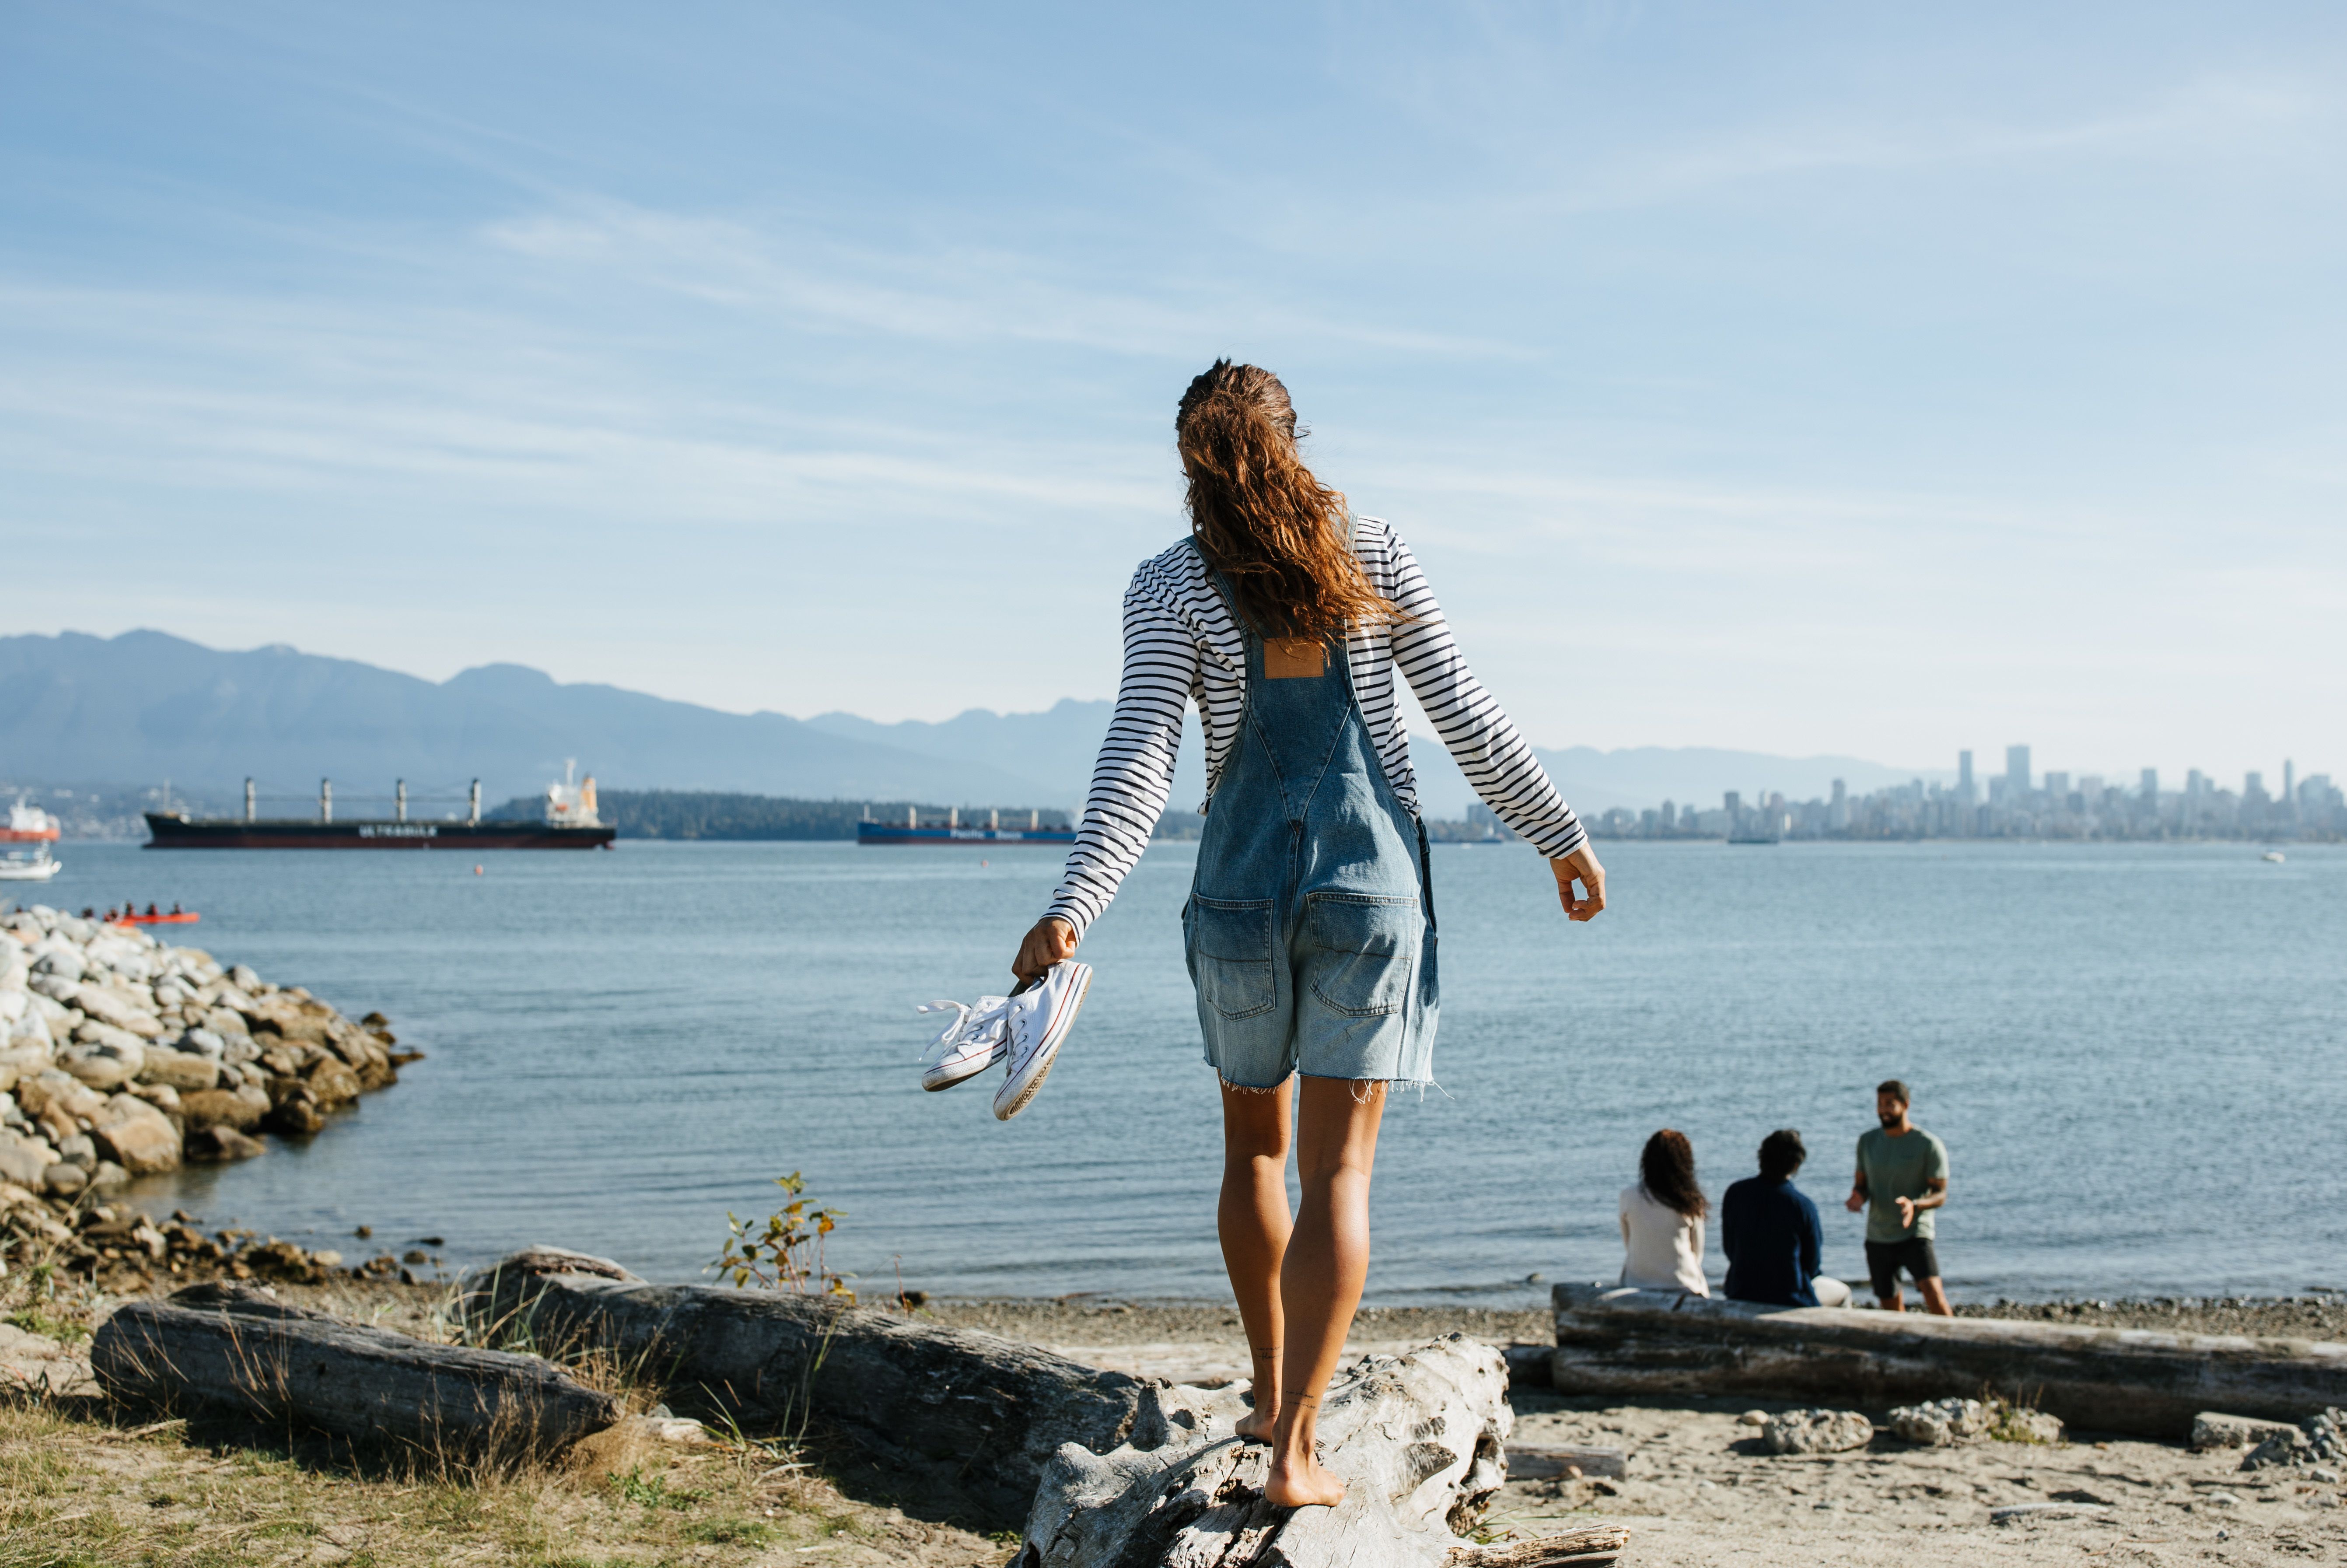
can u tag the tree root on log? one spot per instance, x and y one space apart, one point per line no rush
1417 1440
234 1350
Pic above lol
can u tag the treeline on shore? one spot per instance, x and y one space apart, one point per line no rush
712 815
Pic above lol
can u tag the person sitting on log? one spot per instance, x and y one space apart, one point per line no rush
1663 1218
1772 1235
1309 930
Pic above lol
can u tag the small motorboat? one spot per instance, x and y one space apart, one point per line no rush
28 824
36 866
2274 856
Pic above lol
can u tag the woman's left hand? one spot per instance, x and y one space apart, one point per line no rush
1051 940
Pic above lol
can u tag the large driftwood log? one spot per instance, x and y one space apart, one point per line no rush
1418 1441
1614 1341
985 1411
235 1350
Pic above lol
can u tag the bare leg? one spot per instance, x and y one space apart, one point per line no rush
1895 1302
1252 1222
1935 1297
1320 1280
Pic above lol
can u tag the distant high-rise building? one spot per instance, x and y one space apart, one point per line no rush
1841 792
1733 801
1670 816
2151 785
1964 773
2288 783
2057 785
2016 772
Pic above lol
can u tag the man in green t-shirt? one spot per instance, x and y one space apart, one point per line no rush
1902 1176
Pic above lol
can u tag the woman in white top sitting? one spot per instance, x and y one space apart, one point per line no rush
1662 1219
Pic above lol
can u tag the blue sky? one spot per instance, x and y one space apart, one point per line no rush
1805 378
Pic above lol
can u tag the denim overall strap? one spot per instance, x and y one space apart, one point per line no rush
1308 931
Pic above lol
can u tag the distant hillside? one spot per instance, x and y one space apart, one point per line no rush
135 710
144 706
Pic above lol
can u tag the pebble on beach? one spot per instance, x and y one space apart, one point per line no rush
122 1056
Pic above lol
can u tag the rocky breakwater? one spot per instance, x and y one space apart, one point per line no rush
123 1056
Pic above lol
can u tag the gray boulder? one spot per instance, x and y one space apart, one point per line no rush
1942 1423
58 962
181 1070
63 1181
2322 1440
2215 1429
25 1161
103 1067
1817 1432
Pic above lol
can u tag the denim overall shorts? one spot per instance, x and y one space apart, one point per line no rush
1310 926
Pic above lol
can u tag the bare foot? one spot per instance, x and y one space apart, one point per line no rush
1256 1426
1303 1483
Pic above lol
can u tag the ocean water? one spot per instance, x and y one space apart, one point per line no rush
2137 1054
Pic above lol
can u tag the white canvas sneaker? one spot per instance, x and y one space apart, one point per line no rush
975 1041
1039 1016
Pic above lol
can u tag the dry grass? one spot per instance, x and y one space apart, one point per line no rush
77 1490
84 1484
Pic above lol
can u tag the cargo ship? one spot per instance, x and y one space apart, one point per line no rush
952 831
568 820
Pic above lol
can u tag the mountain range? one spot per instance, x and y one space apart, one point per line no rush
145 706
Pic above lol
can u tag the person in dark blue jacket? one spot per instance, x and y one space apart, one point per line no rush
1770 1232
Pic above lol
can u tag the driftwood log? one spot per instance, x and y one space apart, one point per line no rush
1418 1441
231 1349
1614 1341
985 1412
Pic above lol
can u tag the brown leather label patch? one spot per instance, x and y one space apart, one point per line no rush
1294 658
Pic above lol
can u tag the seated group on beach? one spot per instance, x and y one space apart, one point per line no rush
1770 1230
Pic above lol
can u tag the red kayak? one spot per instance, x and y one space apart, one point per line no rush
185 918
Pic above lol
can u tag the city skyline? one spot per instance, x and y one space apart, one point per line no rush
2020 802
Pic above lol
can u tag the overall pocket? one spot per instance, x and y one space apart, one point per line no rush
1368 950
1230 955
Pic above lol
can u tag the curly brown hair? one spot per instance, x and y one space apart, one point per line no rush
1666 1170
1281 537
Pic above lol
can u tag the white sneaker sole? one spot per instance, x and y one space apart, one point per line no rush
942 1077
1014 1095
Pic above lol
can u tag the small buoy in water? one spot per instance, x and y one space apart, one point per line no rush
477 871
986 863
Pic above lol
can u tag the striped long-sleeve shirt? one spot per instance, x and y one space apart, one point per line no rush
1182 645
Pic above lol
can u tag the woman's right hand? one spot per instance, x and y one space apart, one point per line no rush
1051 940
1582 863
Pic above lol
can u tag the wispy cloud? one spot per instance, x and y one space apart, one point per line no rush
819 280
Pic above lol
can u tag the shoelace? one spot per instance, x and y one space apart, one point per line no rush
983 1025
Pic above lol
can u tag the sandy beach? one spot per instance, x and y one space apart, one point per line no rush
1700 1491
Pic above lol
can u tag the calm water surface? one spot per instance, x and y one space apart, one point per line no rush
2137 1054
